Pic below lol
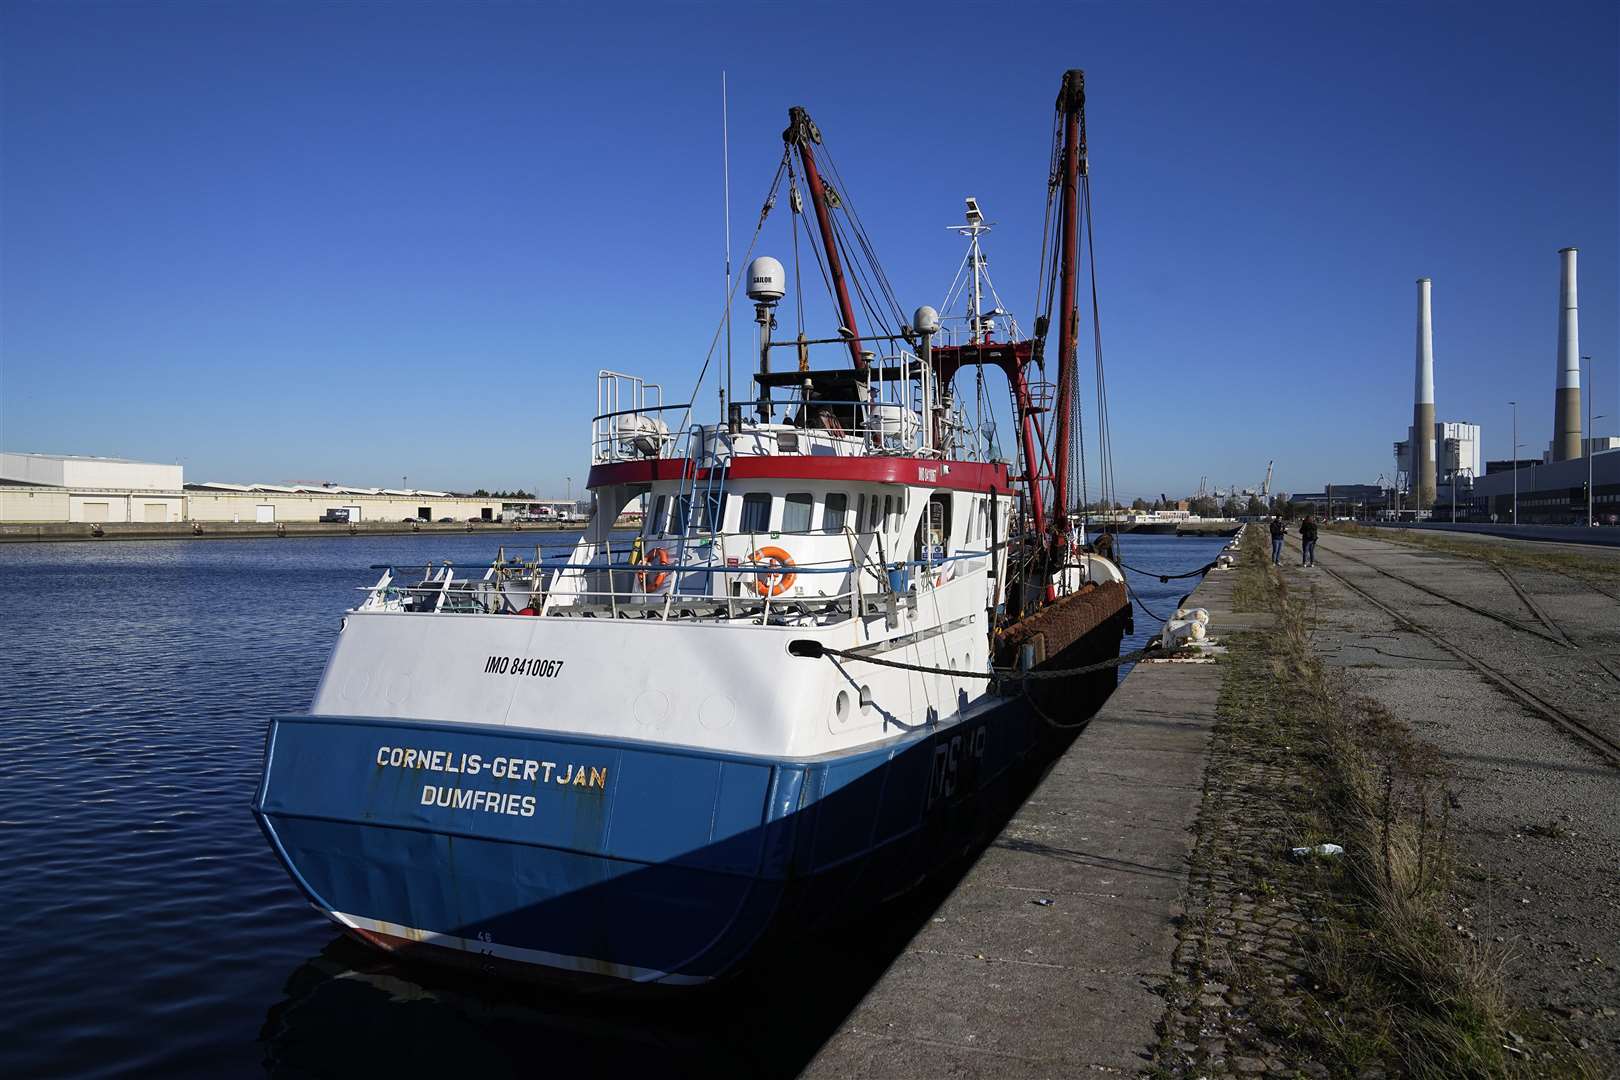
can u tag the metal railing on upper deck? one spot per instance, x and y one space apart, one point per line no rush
833 428
623 585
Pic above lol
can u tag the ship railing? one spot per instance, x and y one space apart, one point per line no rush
514 587
846 428
638 433
851 428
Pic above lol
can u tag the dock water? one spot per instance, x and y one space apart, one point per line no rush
1048 956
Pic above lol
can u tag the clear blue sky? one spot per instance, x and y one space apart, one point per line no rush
355 242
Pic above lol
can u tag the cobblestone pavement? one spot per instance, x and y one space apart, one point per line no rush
1240 962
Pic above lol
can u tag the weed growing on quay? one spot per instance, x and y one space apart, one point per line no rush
1330 967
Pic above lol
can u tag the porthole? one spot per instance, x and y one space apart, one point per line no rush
841 705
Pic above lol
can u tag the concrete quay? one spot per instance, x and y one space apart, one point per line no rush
1046 958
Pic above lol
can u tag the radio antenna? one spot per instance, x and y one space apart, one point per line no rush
725 167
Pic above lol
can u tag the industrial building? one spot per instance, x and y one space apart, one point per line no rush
268 503
1553 493
1455 449
49 488
1589 445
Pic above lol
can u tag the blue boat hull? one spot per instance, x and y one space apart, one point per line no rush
597 860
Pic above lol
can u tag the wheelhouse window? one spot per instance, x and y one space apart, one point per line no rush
796 511
832 514
877 515
934 530
756 513
656 516
701 514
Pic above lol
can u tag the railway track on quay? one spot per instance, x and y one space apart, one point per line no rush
1605 746
1552 633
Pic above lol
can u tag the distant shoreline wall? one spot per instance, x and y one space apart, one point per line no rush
57 532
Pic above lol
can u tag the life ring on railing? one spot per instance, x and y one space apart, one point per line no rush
652 582
784 575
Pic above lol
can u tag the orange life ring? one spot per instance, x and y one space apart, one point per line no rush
784 576
654 581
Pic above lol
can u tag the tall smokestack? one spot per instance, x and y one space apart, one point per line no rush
1566 443
1423 404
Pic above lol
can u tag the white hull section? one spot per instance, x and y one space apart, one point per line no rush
728 686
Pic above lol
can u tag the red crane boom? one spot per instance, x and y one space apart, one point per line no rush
800 133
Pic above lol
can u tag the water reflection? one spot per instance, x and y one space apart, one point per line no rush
350 1010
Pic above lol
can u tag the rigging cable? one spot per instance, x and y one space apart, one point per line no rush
714 343
796 206
848 205
1104 433
1077 452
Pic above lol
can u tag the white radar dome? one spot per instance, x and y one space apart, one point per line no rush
926 320
767 281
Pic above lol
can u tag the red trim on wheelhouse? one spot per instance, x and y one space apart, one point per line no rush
915 472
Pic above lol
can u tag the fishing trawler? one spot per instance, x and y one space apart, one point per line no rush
843 626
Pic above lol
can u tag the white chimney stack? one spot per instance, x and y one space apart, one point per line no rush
1566 443
1423 404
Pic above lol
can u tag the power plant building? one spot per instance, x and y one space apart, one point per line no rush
1421 448
1552 490
1556 490
1566 440
1455 448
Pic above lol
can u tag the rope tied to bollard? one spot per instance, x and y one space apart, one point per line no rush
811 649
1165 579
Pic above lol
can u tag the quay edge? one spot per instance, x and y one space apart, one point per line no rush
1106 838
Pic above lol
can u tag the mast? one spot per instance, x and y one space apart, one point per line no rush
1072 103
800 133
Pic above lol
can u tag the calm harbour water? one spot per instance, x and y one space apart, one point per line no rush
150 931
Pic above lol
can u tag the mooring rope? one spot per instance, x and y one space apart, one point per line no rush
1137 600
811 649
1165 579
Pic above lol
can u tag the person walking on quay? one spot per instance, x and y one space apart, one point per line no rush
1277 530
1307 541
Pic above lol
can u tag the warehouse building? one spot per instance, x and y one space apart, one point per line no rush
52 488
271 503
49 488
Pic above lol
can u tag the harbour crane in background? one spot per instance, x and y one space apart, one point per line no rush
1265 487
